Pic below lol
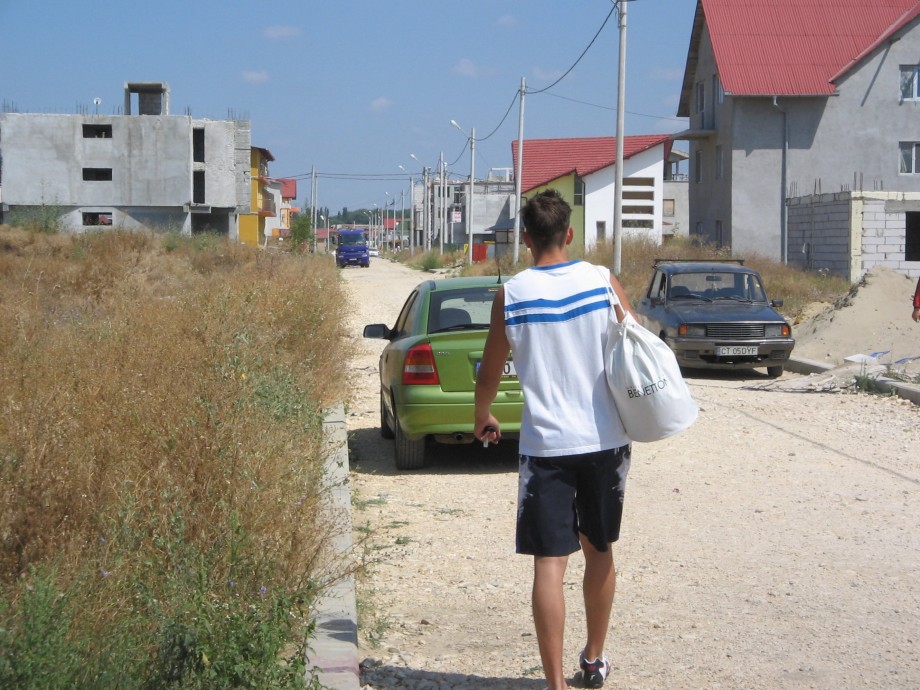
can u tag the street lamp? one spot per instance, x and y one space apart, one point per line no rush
469 197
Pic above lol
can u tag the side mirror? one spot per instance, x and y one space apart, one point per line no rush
657 301
776 303
379 331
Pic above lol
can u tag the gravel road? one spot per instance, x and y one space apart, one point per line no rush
776 544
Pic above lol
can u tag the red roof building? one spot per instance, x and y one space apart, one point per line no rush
583 171
790 47
789 99
546 160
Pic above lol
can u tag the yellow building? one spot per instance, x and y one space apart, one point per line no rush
262 206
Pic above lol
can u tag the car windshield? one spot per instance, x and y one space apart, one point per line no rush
716 285
352 239
459 310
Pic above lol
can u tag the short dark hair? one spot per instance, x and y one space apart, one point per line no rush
546 218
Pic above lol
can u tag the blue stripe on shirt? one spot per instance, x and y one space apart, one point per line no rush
555 317
554 303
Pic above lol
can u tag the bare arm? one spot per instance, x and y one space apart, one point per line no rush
621 295
489 376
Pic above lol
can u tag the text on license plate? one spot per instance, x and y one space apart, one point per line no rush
736 350
507 371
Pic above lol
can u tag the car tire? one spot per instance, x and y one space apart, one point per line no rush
409 455
775 372
385 429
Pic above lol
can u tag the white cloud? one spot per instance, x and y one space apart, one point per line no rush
253 76
281 33
547 74
378 105
466 68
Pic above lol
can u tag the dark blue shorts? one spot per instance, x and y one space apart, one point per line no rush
562 496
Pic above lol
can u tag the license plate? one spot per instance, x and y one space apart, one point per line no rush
736 350
507 371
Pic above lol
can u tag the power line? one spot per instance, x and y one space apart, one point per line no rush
607 107
609 14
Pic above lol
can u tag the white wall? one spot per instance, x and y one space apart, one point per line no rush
600 194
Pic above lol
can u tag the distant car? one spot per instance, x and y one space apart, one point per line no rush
352 248
373 251
428 368
715 315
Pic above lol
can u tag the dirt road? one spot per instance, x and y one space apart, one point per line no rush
776 544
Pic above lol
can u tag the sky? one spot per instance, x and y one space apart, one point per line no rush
355 88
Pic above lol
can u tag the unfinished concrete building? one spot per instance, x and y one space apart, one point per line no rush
149 170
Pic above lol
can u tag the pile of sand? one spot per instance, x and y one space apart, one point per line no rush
874 319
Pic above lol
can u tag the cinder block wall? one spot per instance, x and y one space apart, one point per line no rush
819 232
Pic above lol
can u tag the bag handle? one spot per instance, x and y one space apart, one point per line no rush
615 302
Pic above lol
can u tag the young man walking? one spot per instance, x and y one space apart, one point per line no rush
574 452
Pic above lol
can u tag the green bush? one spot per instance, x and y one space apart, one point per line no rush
42 218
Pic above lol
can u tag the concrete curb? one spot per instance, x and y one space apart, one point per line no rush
907 391
334 650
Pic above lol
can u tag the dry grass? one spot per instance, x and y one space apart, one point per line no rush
161 405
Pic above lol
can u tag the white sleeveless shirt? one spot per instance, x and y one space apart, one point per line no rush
556 321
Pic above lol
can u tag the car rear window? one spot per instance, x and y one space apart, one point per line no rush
463 308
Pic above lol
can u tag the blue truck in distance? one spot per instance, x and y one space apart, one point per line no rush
352 248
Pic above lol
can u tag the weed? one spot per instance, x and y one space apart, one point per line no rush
44 219
364 504
163 449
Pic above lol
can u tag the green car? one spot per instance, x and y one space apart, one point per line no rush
428 369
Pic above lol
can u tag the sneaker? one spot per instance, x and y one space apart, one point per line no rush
593 673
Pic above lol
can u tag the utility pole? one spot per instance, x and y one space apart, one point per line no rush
518 176
469 196
313 204
442 228
618 181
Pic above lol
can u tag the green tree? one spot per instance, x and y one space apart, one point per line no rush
301 232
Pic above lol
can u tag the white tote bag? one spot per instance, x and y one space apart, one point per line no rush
650 393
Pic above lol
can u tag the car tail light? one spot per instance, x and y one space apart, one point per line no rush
419 367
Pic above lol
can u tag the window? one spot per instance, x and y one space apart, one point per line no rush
719 91
579 199
95 218
719 233
97 131
667 207
700 97
909 162
719 161
698 167
198 145
912 238
198 187
97 174
601 228
910 82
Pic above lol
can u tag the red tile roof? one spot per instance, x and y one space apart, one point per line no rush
791 47
548 159
288 188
